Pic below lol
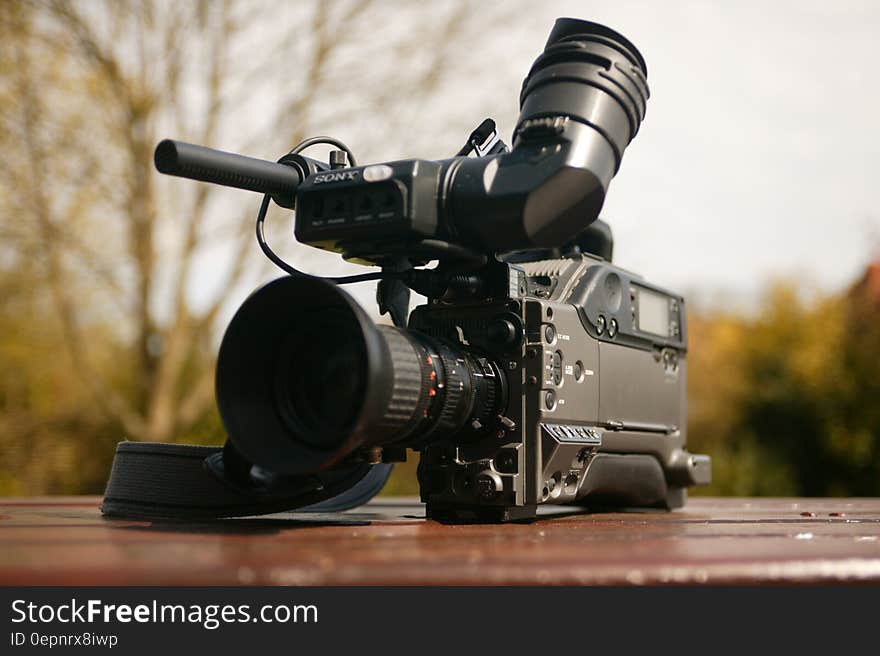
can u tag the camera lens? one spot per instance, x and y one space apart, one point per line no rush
462 388
320 380
300 367
304 378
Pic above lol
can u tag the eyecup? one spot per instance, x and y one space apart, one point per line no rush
565 29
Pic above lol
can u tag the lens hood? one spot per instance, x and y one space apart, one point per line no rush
301 374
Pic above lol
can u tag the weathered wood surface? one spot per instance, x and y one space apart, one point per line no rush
66 541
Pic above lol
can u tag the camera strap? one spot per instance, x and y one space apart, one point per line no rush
181 481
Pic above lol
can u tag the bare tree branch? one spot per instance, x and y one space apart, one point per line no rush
177 337
139 58
108 400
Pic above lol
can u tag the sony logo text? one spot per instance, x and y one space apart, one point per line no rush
336 176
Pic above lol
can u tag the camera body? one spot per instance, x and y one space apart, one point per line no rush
595 366
538 372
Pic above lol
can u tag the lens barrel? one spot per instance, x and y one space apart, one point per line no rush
590 74
305 378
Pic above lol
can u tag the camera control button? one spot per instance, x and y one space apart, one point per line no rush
556 367
600 324
378 172
612 328
488 484
502 332
550 399
549 333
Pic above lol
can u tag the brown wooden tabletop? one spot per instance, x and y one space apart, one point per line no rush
66 541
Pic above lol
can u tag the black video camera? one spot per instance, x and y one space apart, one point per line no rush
537 372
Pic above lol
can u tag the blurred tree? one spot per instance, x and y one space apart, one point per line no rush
853 391
786 403
102 331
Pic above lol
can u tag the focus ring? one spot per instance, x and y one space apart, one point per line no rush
486 392
458 398
446 413
410 383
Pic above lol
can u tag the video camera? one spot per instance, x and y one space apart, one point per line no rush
537 372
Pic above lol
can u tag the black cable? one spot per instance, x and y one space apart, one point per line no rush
313 141
284 266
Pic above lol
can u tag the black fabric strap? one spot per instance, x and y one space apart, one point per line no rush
179 481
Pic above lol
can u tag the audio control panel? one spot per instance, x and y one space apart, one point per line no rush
356 207
574 433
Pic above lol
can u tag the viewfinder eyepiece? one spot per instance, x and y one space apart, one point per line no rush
590 74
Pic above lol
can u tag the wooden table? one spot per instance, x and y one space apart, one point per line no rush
66 541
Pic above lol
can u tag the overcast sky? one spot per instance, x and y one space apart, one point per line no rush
758 155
